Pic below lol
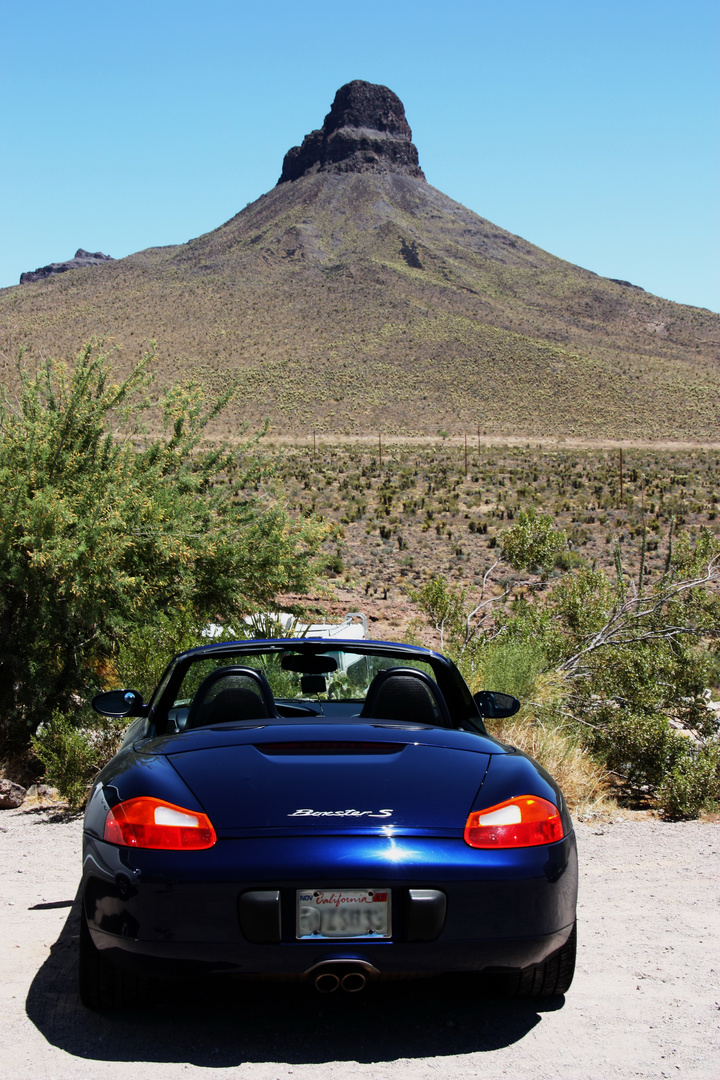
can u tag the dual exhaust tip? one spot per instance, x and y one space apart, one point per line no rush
327 978
327 982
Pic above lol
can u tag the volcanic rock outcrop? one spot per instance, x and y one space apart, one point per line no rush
82 258
365 131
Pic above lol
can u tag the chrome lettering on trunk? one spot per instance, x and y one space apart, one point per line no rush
341 813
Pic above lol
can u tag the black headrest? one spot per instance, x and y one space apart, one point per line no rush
231 693
234 703
408 695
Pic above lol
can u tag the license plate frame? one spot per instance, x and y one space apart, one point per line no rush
343 914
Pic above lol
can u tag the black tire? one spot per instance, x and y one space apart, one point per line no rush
548 979
102 985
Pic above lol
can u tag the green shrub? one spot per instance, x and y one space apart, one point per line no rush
148 647
568 560
512 667
334 565
692 785
532 543
442 603
641 746
72 754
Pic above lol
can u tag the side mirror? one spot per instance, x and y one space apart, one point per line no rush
496 706
119 703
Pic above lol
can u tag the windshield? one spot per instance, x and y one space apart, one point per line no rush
347 681
304 680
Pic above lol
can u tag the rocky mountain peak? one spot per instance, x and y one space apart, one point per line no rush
365 131
81 259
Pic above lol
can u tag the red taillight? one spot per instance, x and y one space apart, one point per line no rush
154 823
525 821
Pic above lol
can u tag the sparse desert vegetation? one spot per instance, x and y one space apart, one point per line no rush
419 513
587 591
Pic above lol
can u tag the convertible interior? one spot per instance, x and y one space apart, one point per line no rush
239 693
284 684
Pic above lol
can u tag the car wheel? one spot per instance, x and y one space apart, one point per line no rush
550 978
102 985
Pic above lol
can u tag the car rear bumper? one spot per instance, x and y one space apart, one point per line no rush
167 911
294 960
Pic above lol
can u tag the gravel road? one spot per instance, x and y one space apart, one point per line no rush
645 1001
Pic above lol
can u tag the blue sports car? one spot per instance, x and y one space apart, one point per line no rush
327 810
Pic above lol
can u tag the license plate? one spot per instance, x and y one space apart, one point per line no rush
343 913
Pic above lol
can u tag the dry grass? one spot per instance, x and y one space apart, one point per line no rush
556 745
581 779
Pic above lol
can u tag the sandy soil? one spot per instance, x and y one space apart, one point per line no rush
382 442
645 1001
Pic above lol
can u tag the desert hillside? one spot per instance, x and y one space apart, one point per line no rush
355 297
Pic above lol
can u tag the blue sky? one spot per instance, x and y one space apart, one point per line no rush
589 128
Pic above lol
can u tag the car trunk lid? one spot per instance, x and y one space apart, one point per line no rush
332 779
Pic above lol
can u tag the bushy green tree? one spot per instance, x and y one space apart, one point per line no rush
532 542
104 527
444 605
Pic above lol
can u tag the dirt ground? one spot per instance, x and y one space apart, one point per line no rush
645 1001
472 439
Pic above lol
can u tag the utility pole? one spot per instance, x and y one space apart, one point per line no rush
380 449
621 478
465 453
